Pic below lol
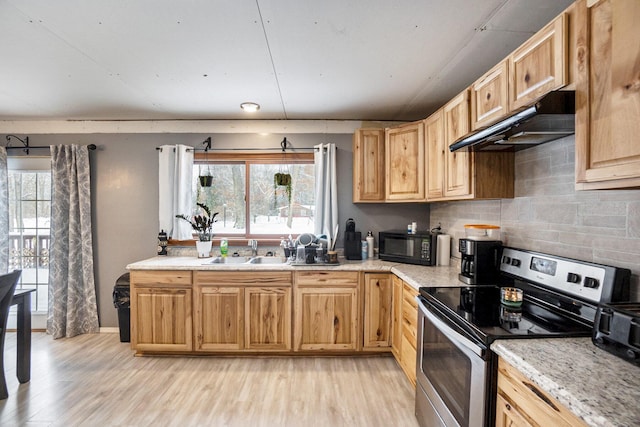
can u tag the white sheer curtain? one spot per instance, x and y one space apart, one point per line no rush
326 214
4 212
175 173
72 294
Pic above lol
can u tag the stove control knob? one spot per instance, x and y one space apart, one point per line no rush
506 260
573 278
515 262
590 282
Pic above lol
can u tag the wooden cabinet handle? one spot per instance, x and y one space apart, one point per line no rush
542 397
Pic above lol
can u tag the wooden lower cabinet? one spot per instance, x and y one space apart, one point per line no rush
521 403
233 314
268 318
219 319
378 297
161 311
405 327
409 331
326 311
396 317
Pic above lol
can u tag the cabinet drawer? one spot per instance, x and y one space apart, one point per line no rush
248 278
409 295
535 405
326 278
157 277
408 359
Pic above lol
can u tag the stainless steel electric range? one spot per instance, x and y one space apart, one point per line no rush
456 370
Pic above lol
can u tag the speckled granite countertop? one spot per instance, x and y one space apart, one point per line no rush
600 388
414 275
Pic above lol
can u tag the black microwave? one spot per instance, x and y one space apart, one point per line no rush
400 246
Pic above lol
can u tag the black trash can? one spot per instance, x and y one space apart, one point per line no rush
121 301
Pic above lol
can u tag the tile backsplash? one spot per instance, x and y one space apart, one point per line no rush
548 215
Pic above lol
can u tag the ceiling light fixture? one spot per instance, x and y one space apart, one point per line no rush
250 107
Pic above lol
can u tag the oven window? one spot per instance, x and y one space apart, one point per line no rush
448 370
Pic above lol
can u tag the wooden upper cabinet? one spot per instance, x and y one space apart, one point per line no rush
405 166
608 97
458 165
368 165
490 96
436 151
540 65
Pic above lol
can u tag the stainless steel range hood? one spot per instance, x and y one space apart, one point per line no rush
551 117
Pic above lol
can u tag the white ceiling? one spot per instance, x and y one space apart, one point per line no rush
299 59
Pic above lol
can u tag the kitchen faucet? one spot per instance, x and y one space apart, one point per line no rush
253 244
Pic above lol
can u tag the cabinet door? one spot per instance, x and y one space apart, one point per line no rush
219 318
396 335
540 65
608 98
404 162
326 318
436 148
490 97
161 318
368 165
268 318
458 173
377 311
508 416
409 332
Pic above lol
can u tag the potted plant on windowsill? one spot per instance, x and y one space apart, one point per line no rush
202 224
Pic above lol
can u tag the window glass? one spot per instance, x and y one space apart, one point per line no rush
271 209
259 208
29 230
226 196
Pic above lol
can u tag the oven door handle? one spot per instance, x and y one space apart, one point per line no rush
450 333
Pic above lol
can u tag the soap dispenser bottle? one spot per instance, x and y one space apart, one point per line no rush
370 244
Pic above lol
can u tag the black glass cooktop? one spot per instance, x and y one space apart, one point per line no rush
479 310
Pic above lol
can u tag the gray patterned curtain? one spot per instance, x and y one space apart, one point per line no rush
4 212
72 294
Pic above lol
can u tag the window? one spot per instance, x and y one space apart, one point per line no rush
246 199
29 222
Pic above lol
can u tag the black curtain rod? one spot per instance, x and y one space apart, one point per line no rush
283 147
244 149
35 147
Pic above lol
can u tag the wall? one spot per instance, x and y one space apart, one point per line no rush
125 193
548 215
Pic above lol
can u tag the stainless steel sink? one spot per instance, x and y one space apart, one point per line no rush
229 260
267 260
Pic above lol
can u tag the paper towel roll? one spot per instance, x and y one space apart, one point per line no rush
443 254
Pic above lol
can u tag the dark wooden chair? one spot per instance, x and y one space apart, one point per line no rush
8 284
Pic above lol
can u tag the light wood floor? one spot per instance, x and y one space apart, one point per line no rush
94 380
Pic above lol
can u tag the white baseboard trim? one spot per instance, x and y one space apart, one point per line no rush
109 330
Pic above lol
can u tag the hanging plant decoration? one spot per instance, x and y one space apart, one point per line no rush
282 180
206 180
